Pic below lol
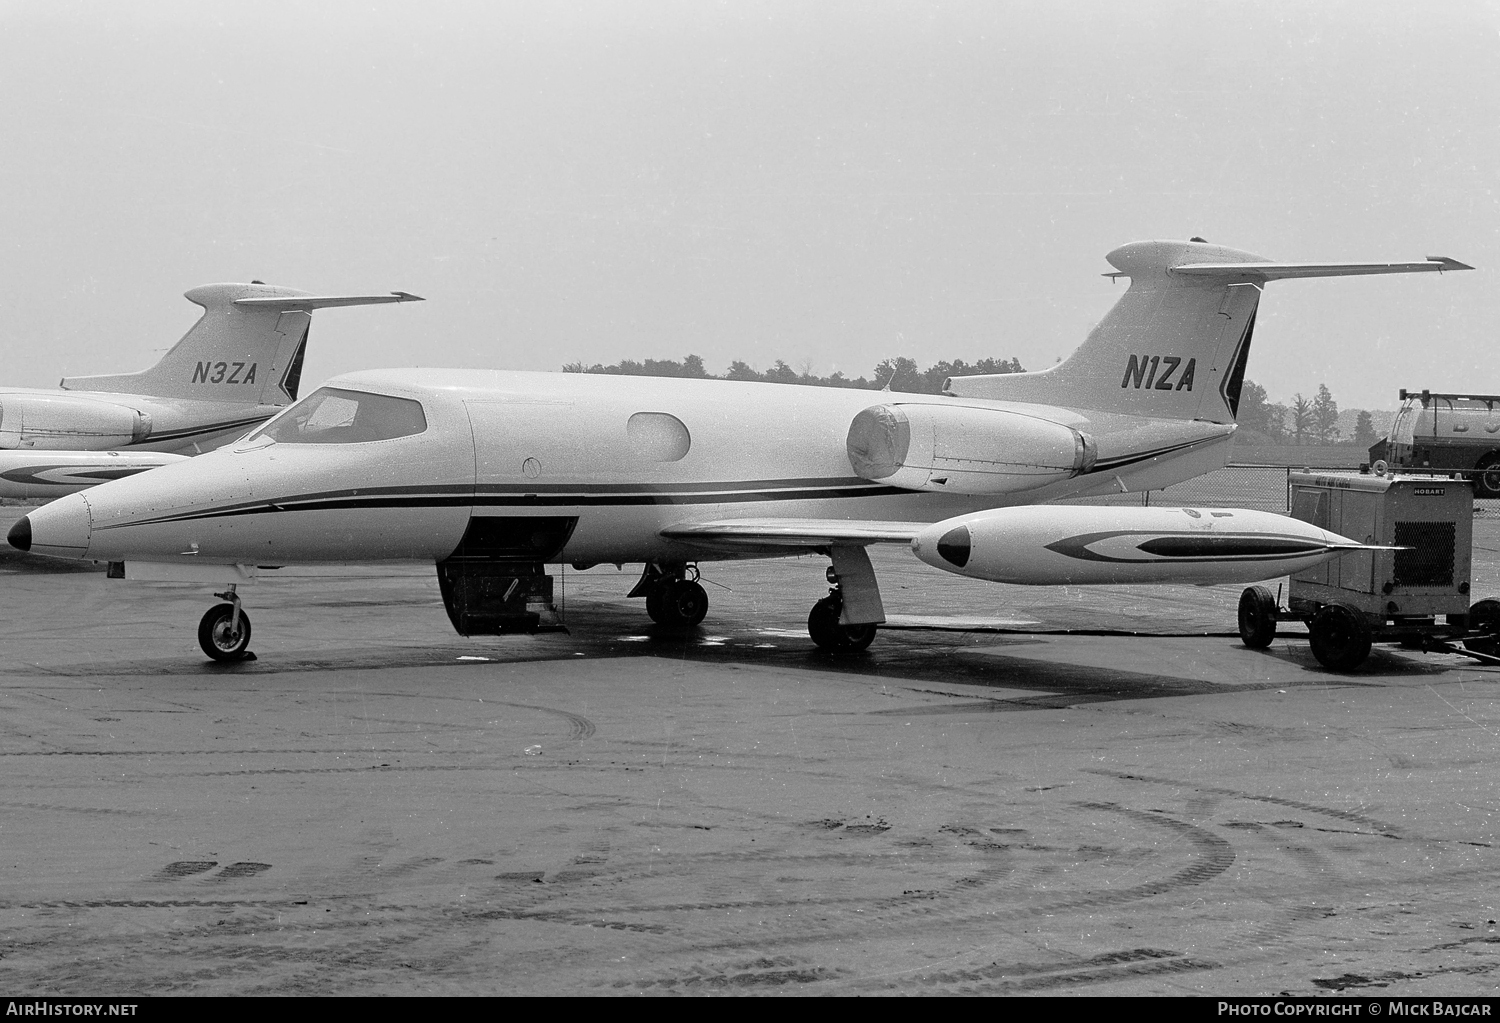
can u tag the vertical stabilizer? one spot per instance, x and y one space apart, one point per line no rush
247 347
1175 345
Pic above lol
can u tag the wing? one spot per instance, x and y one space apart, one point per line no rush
738 534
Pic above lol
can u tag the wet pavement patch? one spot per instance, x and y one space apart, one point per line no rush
185 868
243 870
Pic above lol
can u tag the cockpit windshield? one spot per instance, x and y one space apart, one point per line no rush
332 415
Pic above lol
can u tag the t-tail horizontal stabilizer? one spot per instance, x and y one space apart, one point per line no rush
307 303
1175 345
247 347
1290 271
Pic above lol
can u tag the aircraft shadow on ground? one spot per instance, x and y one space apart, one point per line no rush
14 562
928 655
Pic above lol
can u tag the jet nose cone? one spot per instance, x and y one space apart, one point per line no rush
954 546
61 529
19 536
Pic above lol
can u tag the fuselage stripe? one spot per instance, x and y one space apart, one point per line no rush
461 497
200 431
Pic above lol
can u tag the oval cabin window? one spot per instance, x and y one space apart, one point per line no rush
657 436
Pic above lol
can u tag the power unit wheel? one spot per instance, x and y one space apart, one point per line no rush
1484 627
1340 637
216 638
830 634
1487 476
678 605
1257 617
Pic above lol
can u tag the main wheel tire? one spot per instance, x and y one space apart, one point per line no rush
1487 476
859 637
678 605
1340 637
215 637
823 622
1484 627
1257 617
829 633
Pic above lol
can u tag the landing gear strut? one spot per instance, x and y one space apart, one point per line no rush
674 597
224 632
825 625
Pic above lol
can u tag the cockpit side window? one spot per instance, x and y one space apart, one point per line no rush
332 415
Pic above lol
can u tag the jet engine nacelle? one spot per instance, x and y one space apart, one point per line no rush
67 423
964 449
1044 545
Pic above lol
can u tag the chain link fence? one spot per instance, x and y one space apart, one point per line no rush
1261 487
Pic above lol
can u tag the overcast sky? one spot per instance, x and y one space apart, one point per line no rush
824 183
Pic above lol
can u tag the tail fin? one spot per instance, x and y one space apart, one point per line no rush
247 347
1174 346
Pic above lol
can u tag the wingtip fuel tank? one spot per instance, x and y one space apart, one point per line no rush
1074 544
45 473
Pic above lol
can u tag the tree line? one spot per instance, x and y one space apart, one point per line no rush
1305 420
898 374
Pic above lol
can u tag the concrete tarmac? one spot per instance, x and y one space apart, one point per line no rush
991 800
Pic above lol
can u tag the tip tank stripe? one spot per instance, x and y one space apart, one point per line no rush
1190 546
1228 546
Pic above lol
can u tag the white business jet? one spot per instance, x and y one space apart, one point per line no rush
494 475
240 364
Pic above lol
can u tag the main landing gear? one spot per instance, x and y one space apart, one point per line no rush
852 593
674 597
844 622
224 632
827 630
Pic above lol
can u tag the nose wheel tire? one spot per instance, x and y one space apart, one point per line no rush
678 605
217 637
830 634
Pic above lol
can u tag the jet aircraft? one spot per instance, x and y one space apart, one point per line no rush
494 475
239 365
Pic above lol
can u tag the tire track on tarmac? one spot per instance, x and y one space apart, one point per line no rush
579 727
75 809
985 876
154 904
1034 985
957 906
1349 816
1018 978
217 752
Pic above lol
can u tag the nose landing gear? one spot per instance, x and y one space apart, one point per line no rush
674 598
224 632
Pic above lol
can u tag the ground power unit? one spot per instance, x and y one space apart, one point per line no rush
1414 592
